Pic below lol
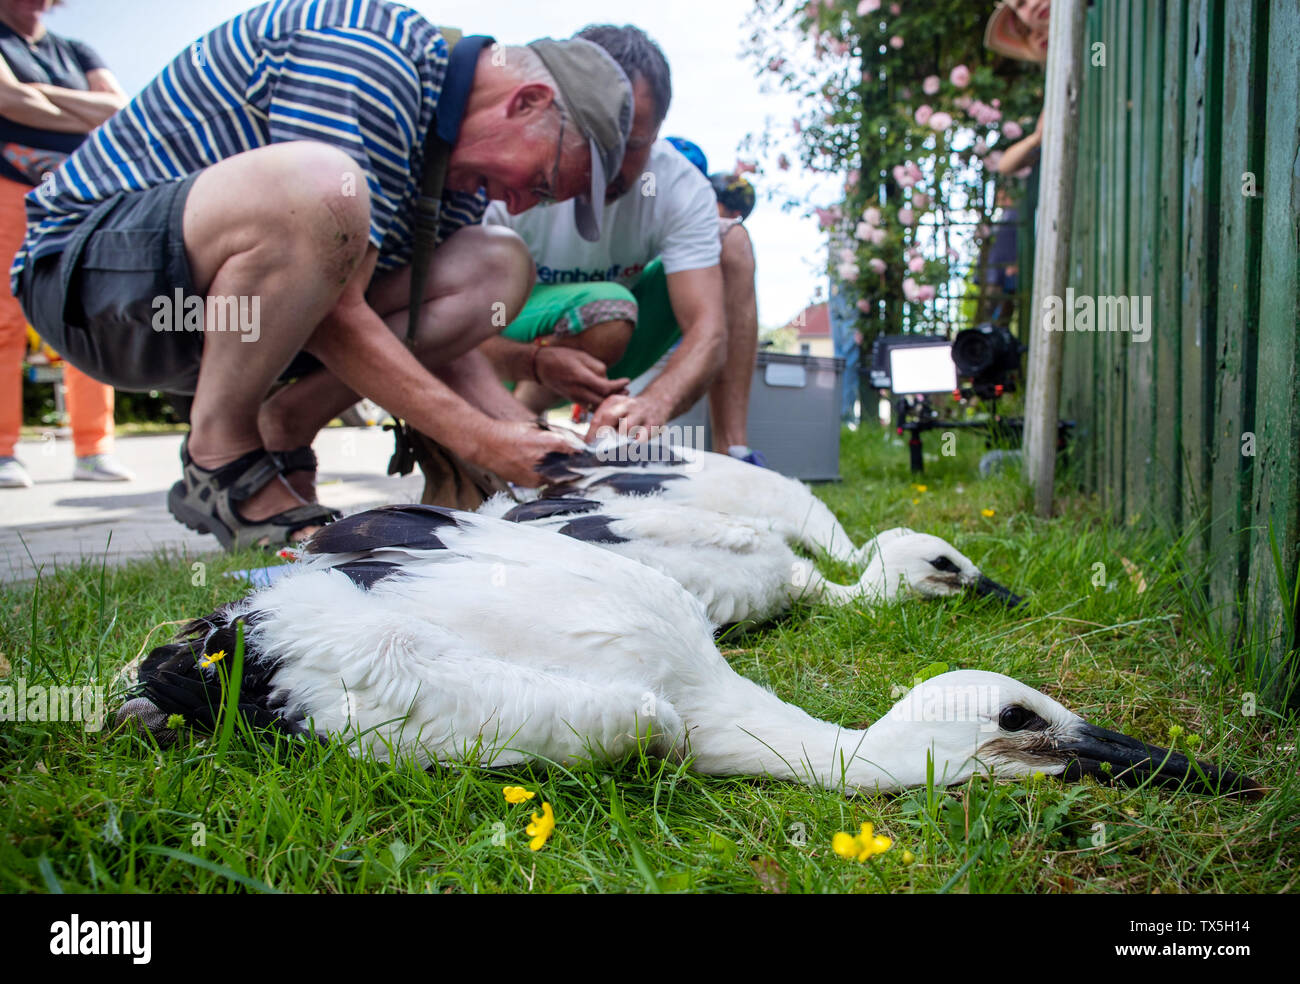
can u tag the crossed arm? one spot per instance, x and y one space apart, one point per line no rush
52 107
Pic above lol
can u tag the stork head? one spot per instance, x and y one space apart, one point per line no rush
973 721
927 566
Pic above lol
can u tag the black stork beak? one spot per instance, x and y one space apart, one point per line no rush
1113 757
986 586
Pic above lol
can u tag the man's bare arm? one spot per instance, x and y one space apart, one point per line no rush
696 298
356 346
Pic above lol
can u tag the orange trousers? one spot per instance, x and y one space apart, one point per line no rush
90 402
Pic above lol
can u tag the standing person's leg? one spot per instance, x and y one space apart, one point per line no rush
13 335
90 413
842 312
729 394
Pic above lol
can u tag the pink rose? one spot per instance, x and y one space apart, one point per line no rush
848 271
864 305
916 264
878 267
847 255
913 171
851 180
983 231
981 148
895 9
923 114
912 251
903 176
905 216
896 42
1011 130
878 237
940 122
863 231
997 103
931 85
867 7
909 289
962 102
925 292
960 76
920 201
871 216
826 218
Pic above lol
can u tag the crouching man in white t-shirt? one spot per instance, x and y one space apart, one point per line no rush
667 267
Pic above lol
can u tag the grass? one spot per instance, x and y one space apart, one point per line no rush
88 812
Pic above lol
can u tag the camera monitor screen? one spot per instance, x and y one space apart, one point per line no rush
922 369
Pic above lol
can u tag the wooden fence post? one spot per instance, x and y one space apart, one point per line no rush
1052 250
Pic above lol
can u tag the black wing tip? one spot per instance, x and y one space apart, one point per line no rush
405 525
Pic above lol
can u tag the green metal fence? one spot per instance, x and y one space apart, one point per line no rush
1188 193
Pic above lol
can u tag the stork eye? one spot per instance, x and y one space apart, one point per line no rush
1014 718
945 565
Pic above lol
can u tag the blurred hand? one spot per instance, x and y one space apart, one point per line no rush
576 375
513 449
641 415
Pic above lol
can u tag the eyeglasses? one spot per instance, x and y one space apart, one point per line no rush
547 196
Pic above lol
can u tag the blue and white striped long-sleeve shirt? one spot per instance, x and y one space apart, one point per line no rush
362 75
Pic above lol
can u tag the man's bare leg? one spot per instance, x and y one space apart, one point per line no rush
729 393
271 223
478 281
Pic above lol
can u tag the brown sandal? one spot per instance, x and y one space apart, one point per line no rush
205 499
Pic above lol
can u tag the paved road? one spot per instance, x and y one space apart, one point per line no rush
60 521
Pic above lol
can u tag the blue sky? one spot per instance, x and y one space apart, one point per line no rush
716 96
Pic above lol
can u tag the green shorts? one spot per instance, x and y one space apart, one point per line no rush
570 309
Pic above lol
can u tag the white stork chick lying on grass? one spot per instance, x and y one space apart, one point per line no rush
418 631
741 568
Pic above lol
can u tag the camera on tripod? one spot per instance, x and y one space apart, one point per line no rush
981 362
986 357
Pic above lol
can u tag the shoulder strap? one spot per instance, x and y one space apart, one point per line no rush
428 207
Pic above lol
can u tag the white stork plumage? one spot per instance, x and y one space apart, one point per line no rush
704 480
424 632
740 567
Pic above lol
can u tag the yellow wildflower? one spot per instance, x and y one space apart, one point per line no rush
517 794
865 844
990 513
908 857
920 488
915 501
540 829
212 658
845 845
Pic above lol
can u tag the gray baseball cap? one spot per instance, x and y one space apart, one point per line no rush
598 97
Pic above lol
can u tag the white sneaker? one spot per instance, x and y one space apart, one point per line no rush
13 475
101 468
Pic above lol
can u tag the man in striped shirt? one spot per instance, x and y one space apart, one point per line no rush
262 190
